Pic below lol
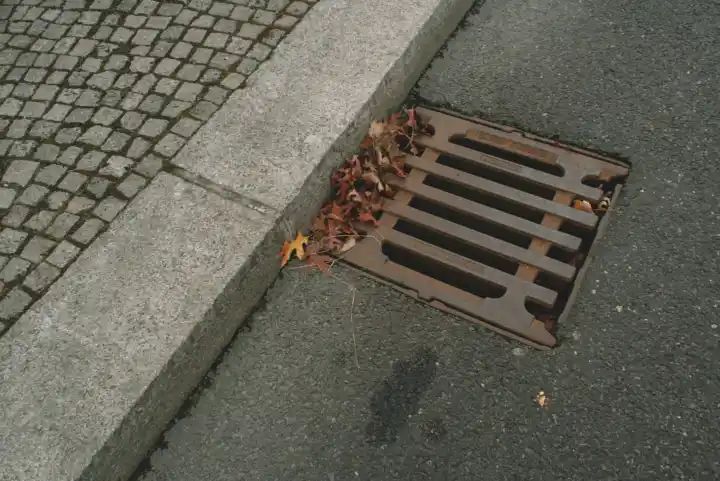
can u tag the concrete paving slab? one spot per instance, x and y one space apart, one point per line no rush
98 366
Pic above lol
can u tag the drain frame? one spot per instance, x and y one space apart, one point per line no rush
506 314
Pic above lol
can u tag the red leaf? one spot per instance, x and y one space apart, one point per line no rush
322 262
367 217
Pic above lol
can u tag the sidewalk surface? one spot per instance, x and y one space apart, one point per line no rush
634 386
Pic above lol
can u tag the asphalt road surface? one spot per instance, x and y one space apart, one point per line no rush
635 385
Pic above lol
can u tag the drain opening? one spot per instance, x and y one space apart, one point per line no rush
490 228
458 279
488 173
483 198
523 160
457 246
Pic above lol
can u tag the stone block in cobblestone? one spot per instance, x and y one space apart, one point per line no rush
131 185
89 17
7 195
153 127
57 112
64 253
251 31
15 75
173 32
87 232
18 128
285 22
47 152
14 269
116 166
91 161
144 36
57 199
35 75
5 145
95 135
297 9
79 204
157 22
22 148
83 47
45 60
166 66
37 248
137 148
181 50
44 129
89 98
77 78
166 86
149 166
116 62
142 64
224 60
203 22
145 83
91 64
239 45
169 9
72 182
62 225
32 195
102 80
116 142
70 155
97 187
185 127
41 277
16 216
263 17
50 174
108 208
106 116
14 303
45 92
63 45
146 7
121 35
79 116
241 13
203 110
247 66
175 108
194 35
20 172
152 104
10 107
211 76
11 240
169 145
216 40
132 100
225 25
67 135
132 120
233 81
190 72
202 55
216 95
259 52
126 80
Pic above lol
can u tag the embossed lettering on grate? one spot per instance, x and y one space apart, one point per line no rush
483 225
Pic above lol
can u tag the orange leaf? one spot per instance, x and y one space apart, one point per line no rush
583 205
322 262
297 245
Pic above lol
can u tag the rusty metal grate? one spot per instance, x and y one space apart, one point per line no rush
484 226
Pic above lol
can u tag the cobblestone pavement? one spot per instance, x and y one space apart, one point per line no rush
95 97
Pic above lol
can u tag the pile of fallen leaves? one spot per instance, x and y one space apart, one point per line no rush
359 190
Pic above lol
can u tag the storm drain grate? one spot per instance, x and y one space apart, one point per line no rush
485 225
